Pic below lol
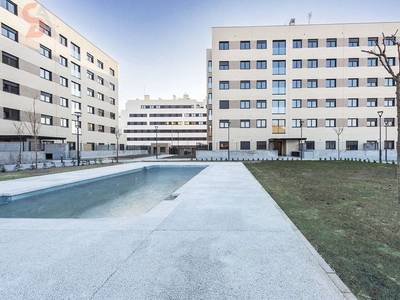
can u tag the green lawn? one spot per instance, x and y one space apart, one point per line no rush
349 213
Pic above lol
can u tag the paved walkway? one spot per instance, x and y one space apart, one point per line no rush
222 238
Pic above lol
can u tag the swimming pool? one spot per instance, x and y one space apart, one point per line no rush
128 195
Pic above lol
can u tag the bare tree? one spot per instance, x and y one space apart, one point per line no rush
19 129
118 133
338 131
33 125
381 52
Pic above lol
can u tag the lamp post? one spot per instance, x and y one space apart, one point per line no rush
386 143
380 113
78 114
156 143
229 143
301 139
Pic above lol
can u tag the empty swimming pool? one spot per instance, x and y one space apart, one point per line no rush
127 195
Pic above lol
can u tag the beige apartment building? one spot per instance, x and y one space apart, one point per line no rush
173 126
46 62
270 87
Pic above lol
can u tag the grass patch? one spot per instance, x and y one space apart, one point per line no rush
349 213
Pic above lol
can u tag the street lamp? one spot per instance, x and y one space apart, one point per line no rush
386 143
156 143
78 114
301 139
380 113
229 143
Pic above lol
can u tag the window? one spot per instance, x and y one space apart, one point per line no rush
45 74
75 51
331 63
389 102
261 84
46 120
112 72
296 83
100 80
278 126
63 61
261 123
223 123
279 87
75 89
64 122
391 61
372 102
11 114
330 103
10 6
45 51
261 64
209 83
261 104
261 145
296 103
389 144
63 81
245 45
244 104
223 145
224 85
75 70
44 28
63 102
89 57
279 67
209 98
279 47
352 122
296 123
297 43
371 122
372 62
389 82
112 86
331 83
244 123
311 122
90 92
278 106
100 128
312 63
100 96
224 65
46 97
100 64
389 122
310 145
330 43
245 84
262 44
90 75
351 145
245 65
372 81
75 107
224 104
297 64
312 83
100 112
112 101
10 60
313 43
353 62
352 102
330 123
63 40
90 127
312 103
223 45
330 145
390 41
372 41
9 32
353 42
90 110
352 82
10 87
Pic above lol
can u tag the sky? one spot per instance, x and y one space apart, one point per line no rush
160 45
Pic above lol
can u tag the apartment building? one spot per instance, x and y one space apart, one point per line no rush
271 87
173 126
50 68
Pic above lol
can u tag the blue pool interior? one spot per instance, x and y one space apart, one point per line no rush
127 195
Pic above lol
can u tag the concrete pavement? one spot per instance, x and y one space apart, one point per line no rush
223 237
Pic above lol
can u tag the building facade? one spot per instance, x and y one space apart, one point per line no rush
271 87
50 69
173 126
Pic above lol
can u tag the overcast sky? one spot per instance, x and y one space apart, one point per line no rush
160 45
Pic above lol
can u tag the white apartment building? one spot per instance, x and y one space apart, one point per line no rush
45 59
173 126
269 87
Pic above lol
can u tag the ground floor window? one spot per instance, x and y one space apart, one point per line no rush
351 145
389 144
261 145
330 145
224 145
310 145
244 145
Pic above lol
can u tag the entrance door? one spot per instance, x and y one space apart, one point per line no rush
278 145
